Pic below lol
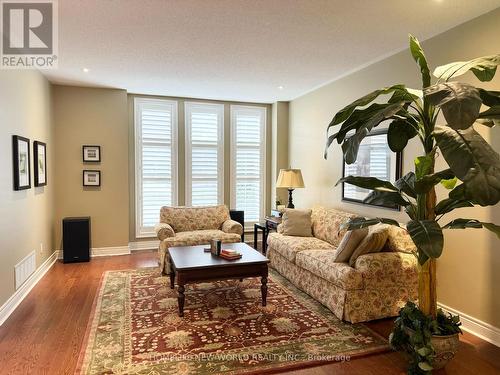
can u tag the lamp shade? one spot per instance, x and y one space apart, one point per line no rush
290 179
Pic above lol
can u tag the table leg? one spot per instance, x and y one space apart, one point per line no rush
181 299
172 279
255 236
263 289
265 231
172 275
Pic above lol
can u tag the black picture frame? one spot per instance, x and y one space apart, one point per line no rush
84 181
85 157
39 181
398 173
21 160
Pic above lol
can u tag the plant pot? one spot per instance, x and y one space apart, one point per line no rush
445 348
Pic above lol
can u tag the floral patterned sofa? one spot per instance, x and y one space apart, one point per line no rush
376 287
189 226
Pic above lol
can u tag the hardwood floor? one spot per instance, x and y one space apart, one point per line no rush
44 335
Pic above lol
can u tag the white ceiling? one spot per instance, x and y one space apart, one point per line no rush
239 49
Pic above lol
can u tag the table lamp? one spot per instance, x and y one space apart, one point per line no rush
290 179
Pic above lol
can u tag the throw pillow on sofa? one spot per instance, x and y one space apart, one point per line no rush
349 243
296 223
372 243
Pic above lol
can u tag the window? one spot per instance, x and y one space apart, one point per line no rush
375 159
248 129
156 161
204 154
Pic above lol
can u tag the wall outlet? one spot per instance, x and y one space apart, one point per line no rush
41 248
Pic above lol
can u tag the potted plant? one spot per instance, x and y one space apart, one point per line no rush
473 178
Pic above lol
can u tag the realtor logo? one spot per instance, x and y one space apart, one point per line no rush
29 32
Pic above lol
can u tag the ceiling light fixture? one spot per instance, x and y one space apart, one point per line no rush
86 70
280 87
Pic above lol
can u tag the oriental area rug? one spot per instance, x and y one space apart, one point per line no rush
135 329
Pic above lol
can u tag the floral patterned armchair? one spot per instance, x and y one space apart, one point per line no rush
189 226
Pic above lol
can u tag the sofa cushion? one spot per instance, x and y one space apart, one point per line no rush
372 243
383 270
183 219
289 246
326 224
322 263
349 243
399 241
200 237
296 223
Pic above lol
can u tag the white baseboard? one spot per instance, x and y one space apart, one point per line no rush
10 305
104 251
475 326
144 245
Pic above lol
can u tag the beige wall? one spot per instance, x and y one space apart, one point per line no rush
26 217
279 149
181 152
92 116
467 276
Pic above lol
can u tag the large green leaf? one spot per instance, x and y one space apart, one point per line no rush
473 161
350 146
354 122
424 184
448 205
460 102
399 133
492 113
371 183
423 165
361 222
489 98
345 112
406 184
427 236
418 55
385 198
472 223
484 68
358 118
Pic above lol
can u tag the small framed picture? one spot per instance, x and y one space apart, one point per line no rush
40 159
91 154
21 162
91 178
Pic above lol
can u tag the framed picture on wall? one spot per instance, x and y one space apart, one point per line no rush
21 162
375 159
91 178
40 163
91 154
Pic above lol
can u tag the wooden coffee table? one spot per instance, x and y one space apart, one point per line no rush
191 264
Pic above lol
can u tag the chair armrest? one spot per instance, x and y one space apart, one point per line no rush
231 226
163 231
388 269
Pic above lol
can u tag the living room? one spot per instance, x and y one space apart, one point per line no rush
156 138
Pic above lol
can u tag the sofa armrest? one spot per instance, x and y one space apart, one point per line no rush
388 269
280 229
231 226
163 231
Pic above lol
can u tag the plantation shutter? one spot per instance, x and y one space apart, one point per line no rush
156 122
204 156
248 148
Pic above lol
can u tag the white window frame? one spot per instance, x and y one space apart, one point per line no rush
219 108
263 113
141 231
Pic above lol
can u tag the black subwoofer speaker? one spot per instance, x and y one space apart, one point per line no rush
239 216
76 239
